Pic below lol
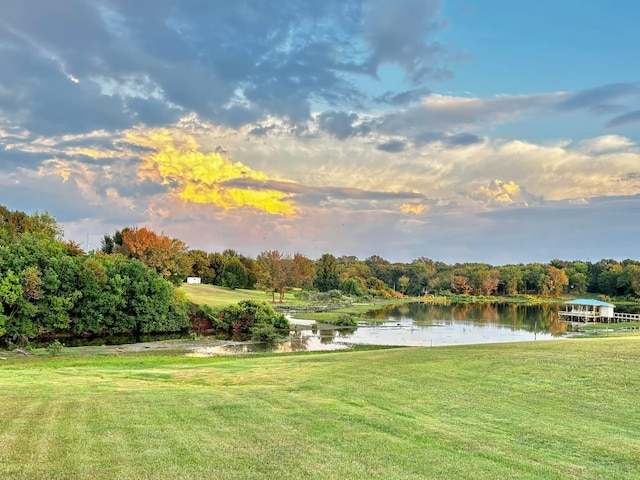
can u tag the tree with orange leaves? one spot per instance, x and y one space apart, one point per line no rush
167 256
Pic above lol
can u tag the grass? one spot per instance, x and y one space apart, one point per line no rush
565 409
588 327
221 296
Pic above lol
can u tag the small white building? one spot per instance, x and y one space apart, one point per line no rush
587 310
194 280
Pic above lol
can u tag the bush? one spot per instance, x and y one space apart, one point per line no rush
263 333
344 320
335 295
55 348
351 286
241 318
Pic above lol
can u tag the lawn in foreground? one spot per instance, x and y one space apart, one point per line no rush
530 410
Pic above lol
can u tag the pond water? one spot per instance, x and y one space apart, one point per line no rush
416 324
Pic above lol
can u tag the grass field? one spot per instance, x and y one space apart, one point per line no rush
220 296
527 410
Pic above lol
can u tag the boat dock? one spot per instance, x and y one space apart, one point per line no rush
587 310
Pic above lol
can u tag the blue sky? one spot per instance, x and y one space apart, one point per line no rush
494 131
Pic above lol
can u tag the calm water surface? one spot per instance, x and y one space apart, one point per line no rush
415 324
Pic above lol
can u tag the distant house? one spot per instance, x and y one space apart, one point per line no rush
587 310
194 280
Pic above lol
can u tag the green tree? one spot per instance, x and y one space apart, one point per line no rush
327 277
234 274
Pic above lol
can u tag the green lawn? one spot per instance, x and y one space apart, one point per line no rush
220 296
609 326
564 409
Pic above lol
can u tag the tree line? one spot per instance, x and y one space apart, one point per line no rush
49 286
276 272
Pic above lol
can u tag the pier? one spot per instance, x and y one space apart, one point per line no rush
587 310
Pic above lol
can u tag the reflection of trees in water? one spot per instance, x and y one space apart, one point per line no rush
557 327
514 315
298 342
326 336
345 332
522 317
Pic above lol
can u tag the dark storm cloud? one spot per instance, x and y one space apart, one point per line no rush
624 119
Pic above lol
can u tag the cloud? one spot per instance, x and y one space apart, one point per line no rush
406 45
413 208
403 98
338 124
199 177
113 64
604 144
393 146
604 99
624 119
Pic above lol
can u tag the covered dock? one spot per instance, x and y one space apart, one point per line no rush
587 310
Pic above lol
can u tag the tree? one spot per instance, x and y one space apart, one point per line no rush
352 286
302 271
234 274
248 315
460 284
486 281
511 279
274 273
559 280
380 268
200 266
17 222
167 256
327 277
403 283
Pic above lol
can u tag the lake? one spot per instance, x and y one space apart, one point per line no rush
416 324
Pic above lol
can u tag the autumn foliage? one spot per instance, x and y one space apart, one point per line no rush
167 256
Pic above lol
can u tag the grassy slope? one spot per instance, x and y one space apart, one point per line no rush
530 410
220 296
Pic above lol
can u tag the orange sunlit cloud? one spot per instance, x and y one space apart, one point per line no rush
413 208
199 177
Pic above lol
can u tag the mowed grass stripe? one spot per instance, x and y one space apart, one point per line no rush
532 410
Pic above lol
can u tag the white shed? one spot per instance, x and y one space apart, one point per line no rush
194 280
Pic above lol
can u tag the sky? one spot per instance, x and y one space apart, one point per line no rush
460 130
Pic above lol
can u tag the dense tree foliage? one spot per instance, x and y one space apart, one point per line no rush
327 273
47 288
167 256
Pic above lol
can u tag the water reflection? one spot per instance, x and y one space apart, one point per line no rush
415 324
407 324
531 318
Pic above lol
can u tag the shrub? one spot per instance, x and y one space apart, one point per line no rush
335 295
55 348
242 317
344 320
263 333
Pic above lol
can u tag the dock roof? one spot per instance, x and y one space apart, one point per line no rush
589 302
